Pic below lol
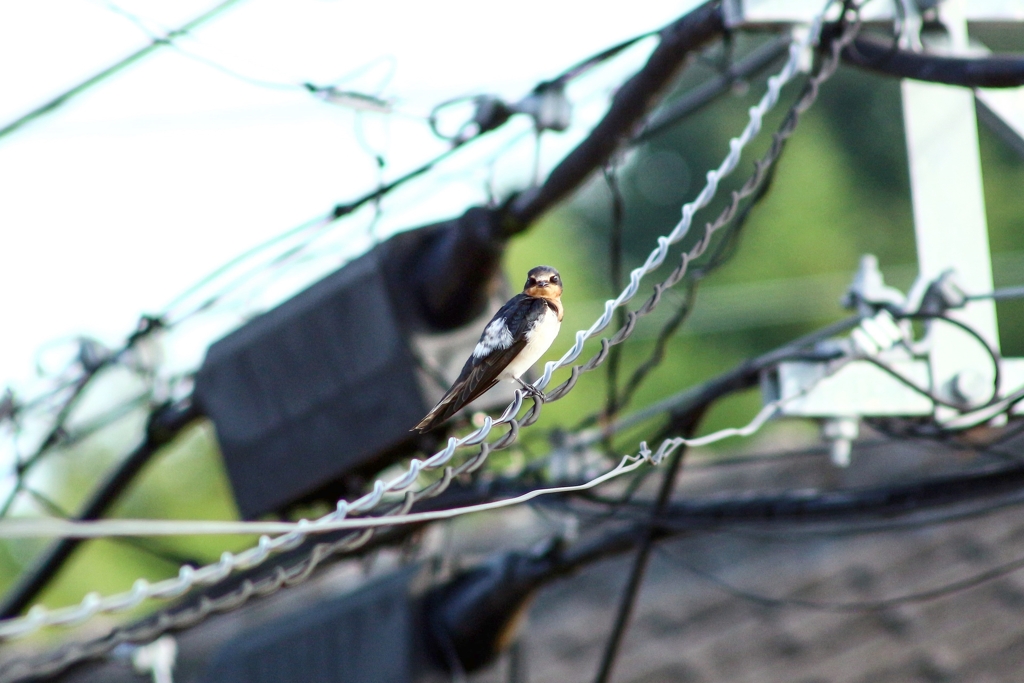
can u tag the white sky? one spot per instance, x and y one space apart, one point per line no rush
117 201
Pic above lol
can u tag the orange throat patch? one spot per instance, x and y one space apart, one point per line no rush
552 294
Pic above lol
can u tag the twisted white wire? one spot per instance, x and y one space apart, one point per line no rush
736 145
188 577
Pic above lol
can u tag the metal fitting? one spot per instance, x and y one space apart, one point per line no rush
841 433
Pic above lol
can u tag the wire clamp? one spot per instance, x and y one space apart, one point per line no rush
548 106
157 658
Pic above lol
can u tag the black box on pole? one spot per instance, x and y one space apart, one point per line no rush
311 389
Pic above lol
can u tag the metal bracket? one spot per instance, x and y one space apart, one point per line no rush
952 244
949 209
157 658
739 13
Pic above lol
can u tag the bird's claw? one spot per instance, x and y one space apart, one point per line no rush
532 391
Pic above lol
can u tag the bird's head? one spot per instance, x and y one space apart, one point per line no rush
543 282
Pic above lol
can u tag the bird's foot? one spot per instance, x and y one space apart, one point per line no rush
532 391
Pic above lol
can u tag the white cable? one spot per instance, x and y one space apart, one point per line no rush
736 145
188 577
92 604
105 528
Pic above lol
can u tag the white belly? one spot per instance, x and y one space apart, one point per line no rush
538 341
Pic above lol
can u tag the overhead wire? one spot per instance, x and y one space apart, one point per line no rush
635 578
756 188
631 591
441 458
330 94
343 209
54 509
12 628
964 419
682 35
54 434
154 44
104 528
199 610
931 395
167 319
824 512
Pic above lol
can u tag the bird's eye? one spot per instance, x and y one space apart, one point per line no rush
554 279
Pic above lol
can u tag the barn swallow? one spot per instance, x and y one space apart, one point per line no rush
515 338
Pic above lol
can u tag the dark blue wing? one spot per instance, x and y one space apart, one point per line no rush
502 340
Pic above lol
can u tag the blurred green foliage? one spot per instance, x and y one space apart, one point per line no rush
841 190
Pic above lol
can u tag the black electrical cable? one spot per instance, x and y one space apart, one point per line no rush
822 513
773 528
1007 404
993 354
696 99
1002 294
903 379
55 434
163 425
997 71
630 592
717 258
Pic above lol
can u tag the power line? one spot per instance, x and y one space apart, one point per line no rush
997 71
640 562
98 78
279 578
653 261
675 111
163 423
104 528
681 517
618 211
679 38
